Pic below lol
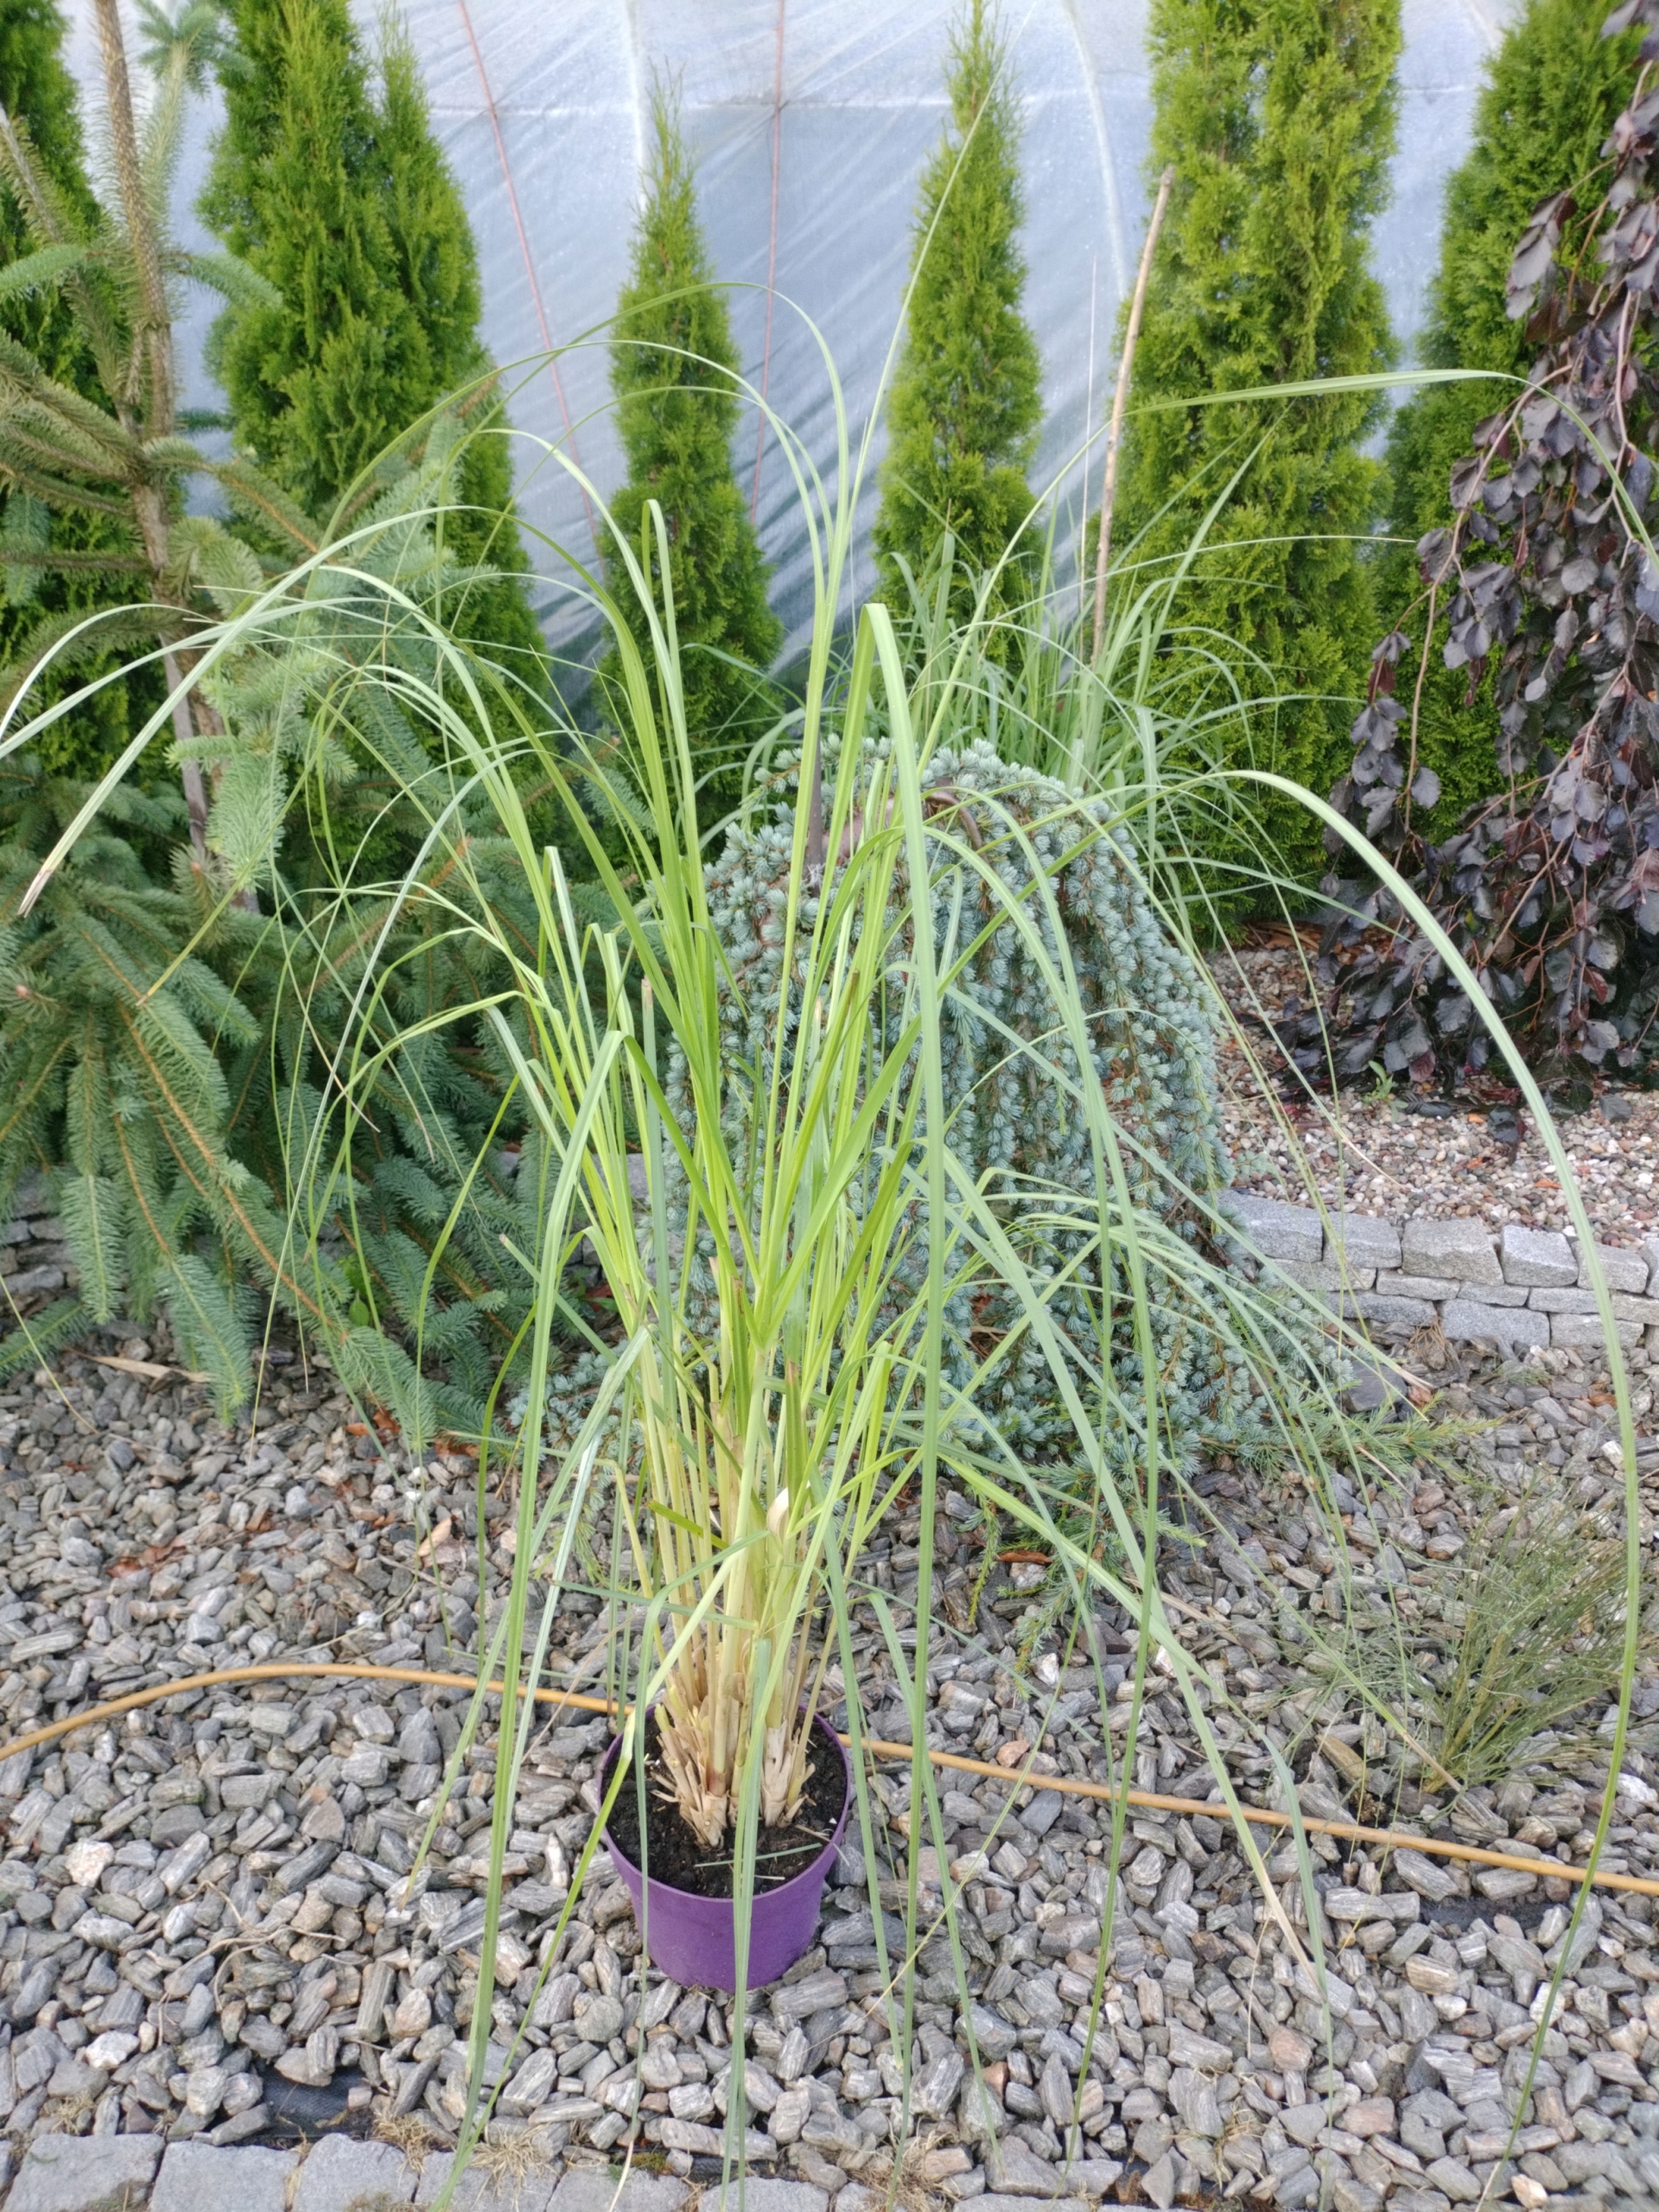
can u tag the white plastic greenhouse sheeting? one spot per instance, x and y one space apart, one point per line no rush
811 120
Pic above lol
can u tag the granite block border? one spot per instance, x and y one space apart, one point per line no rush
1517 1288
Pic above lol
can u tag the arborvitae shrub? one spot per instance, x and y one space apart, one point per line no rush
1278 118
1553 91
673 372
337 193
966 401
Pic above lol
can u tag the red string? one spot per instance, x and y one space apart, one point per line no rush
524 248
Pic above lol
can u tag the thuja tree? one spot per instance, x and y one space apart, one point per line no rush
36 603
674 375
1554 87
965 406
1550 890
1278 117
336 193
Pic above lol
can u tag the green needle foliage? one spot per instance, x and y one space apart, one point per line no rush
166 1049
1278 117
1554 89
341 199
120 1058
107 456
37 91
674 374
966 403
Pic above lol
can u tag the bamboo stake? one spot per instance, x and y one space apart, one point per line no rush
1120 400
1011 1777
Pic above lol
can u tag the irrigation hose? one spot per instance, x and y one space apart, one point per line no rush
1011 1777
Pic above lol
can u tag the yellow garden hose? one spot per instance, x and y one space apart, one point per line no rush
1011 1777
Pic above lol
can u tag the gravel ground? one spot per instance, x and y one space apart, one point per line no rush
203 1912
1383 1156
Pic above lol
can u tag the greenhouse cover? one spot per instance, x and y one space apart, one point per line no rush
811 120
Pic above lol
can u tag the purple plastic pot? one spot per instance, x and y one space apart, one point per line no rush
691 1939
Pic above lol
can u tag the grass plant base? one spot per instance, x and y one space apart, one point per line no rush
673 1855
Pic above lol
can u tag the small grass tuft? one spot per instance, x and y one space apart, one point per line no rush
1522 1630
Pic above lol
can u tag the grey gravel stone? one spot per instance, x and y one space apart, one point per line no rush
85 2173
1430 1877
195 2178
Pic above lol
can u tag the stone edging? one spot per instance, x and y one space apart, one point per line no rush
35 1260
1524 1288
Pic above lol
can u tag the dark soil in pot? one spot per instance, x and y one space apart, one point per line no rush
674 1855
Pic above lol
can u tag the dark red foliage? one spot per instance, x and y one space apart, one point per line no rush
1550 891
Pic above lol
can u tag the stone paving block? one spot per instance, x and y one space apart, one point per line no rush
764 2196
85 2173
1644 1310
1320 1275
1277 1231
1472 1321
1362 1240
1624 1269
1540 1256
995 2200
1394 1312
1439 1288
514 2192
1394 1282
339 2174
1584 1329
1461 1249
194 2177
587 2188
1562 1301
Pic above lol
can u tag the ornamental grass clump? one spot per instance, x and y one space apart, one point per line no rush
997 831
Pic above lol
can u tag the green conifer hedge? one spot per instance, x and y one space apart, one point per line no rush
1278 117
966 403
1554 87
673 373
337 194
